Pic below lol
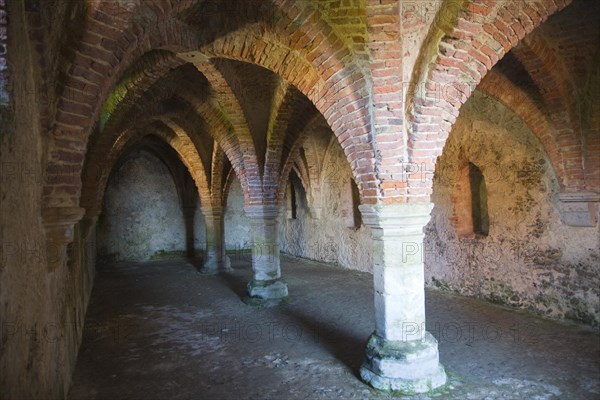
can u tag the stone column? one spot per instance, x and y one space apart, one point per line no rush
215 259
401 355
267 288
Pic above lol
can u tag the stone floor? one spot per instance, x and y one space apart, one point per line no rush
161 330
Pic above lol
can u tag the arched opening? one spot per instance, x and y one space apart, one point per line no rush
479 208
291 201
149 208
470 199
356 217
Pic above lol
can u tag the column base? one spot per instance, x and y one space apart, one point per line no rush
227 264
212 267
266 293
407 367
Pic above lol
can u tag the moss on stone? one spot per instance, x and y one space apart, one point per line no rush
238 251
165 255
440 284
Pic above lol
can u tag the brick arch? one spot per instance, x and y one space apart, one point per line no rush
327 156
591 127
165 153
462 47
231 108
551 76
294 153
144 88
302 172
293 116
224 126
97 175
313 163
112 142
283 106
186 124
197 105
191 124
501 88
225 136
140 77
186 147
186 120
337 88
113 40
190 140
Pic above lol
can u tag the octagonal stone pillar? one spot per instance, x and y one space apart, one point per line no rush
267 288
401 355
215 260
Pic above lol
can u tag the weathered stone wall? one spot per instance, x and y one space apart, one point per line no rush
325 230
529 260
142 217
41 309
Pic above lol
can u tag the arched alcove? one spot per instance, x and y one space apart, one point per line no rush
143 216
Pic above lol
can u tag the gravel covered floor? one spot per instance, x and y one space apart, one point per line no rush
161 330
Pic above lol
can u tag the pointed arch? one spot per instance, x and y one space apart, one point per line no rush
466 41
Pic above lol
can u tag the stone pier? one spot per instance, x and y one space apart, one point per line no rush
401 355
215 259
266 287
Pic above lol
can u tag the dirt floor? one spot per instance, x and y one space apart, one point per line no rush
161 330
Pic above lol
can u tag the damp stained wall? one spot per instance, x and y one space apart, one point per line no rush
41 308
529 259
237 226
327 227
142 218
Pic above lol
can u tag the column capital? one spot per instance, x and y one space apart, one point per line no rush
578 208
61 216
58 224
262 211
398 218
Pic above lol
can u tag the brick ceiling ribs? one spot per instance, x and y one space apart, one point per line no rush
249 81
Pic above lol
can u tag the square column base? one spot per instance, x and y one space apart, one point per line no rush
266 293
408 367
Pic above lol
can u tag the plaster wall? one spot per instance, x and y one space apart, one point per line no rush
529 259
142 217
324 229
